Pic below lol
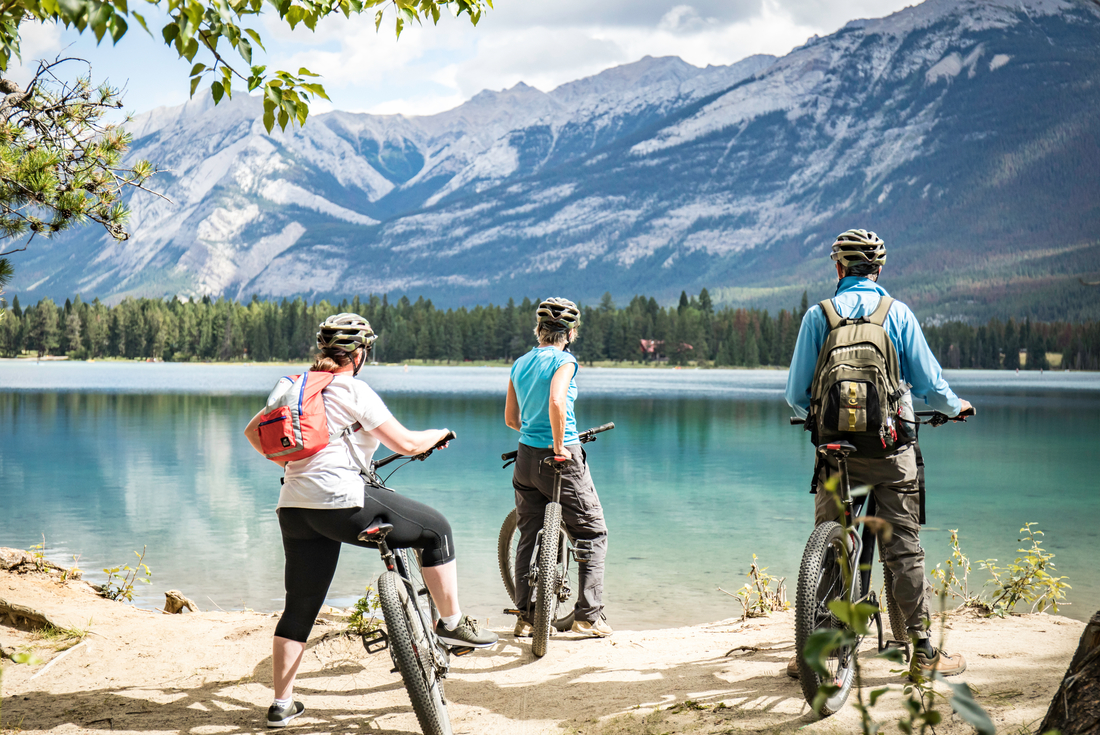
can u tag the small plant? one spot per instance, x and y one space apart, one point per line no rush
120 580
1027 580
60 638
38 551
363 619
72 572
757 597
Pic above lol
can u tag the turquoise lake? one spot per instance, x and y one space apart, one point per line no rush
703 471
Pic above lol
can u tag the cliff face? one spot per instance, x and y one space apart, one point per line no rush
964 132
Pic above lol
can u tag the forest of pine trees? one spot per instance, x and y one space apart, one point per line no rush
693 331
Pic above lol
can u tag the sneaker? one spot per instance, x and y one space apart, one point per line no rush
597 629
466 633
523 629
792 667
281 716
944 663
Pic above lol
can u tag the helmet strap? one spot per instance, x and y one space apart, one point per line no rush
362 351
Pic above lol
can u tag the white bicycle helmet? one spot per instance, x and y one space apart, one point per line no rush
347 332
857 247
561 312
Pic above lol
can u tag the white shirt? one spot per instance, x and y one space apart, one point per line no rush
330 478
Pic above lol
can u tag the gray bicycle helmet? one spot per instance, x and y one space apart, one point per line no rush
561 312
858 247
347 332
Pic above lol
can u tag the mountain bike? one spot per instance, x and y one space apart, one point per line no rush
410 615
554 579
822 578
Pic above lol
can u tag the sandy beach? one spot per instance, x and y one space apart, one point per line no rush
141 671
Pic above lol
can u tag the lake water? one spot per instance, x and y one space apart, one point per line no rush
703 471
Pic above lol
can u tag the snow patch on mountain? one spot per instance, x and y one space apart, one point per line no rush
283 192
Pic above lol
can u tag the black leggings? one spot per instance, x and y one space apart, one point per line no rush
312 539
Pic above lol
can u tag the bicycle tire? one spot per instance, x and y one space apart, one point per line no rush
820 580
897 621
506 560
546 585
409 645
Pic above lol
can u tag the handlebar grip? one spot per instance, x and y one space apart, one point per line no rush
967 413
444 440
606 427
795 421
509 455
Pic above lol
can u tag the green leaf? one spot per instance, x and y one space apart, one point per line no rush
269 115
820 644
875 694
170 32
217 91
255 37
283 118
141 20
294 15
244 48
197 69
316 89
304 72
118 28
195 84
191 49
967 707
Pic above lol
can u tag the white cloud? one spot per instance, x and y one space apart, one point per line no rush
543 43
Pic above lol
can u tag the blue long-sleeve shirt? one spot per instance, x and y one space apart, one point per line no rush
856 297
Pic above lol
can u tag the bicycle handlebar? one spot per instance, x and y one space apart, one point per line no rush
585 436
937 418
421 457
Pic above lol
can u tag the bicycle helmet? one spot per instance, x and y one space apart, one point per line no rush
560 312
347 332
858 247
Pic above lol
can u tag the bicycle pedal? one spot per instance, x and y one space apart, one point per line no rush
375 641
512 611
461 651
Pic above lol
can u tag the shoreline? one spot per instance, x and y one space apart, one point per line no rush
135 671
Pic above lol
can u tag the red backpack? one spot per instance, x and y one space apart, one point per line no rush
293 424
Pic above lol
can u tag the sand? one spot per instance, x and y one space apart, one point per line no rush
140 671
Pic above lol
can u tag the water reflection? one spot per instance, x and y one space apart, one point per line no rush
692 487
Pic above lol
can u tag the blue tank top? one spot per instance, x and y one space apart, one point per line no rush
531 376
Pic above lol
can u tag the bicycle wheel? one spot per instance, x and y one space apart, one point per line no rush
410 560
897 621
507 543
546 584
411 649
820 581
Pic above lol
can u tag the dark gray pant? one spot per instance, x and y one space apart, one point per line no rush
894 483
581 512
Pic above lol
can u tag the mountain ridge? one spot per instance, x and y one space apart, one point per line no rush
952 115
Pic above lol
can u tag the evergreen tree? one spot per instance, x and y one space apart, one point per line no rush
44 329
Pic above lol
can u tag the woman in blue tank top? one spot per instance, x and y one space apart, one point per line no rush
541 394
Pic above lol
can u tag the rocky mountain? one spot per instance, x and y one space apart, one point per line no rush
963 131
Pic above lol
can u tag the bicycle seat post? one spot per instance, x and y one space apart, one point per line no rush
556 466
376 533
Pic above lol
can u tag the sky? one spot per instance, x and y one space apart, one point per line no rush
543 43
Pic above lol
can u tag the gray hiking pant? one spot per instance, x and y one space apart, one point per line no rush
894 483
581 512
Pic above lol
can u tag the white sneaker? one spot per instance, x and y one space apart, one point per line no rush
597 629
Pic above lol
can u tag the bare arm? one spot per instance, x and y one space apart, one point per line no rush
559 399
511 409
394 435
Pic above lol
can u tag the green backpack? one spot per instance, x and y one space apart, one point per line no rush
857 387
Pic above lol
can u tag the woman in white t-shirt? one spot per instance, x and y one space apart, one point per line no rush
325 503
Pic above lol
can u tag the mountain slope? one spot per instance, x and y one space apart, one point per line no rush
963 131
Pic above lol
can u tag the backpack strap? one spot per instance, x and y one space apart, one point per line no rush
831 316
878 316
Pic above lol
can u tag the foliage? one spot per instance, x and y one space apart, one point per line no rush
120 580
363 619
1001 345
757 596
60 162
1028 579
38 552
196 29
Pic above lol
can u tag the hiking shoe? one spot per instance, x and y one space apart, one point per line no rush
597 629
466 633
523 629
281 716
792 667
945 663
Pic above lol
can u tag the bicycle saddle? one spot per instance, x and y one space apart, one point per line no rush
840 447
376 531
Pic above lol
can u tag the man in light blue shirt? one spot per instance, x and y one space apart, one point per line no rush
859 256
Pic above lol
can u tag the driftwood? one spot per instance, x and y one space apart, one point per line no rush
16 614
1075 709
175 602
18 561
